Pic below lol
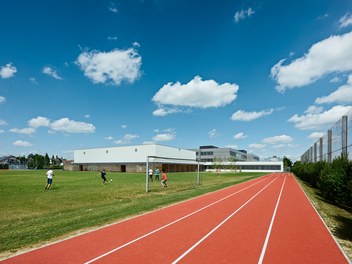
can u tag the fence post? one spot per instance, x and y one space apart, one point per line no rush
329 146
321 149
344 136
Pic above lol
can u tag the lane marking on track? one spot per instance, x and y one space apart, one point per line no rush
271 225
219 225
174 222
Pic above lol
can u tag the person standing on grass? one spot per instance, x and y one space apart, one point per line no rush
157 173
163 178
49 175
103 176
150 174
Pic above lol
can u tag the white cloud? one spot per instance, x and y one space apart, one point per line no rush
39 122
111 67
33 80
213 133
2 131
257 146
277 139
241 115
112 38
20 143
346 20
3 122
87 116
342 95
71 126
113 8
316 135
124 126
27 131
126 139
51 72
335 79
196 93
314 109
163 111
333 54
60 125
164 137
240 135
7 71
2 99
243 14
319 120
109 138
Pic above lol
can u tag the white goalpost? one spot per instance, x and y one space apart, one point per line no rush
175 162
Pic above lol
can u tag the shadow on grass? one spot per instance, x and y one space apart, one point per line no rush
344 228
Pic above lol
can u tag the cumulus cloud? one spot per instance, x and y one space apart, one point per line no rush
346 20
51 72
241 115
126 139
60 125
164 111
164 137
2 99
342 95
109 138
168 134
39 121
319 120
243 14
316 135
314 109
278 139
257 146
240 135
7 71
111 67
333 54
113 8
20 143
71 126
3 122
194 94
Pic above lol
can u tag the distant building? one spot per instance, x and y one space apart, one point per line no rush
134 158
211 153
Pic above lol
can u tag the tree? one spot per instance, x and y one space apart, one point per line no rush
287 164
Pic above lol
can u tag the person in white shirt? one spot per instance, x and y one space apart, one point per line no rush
150 174
49 175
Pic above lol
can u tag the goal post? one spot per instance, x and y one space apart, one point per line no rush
175 162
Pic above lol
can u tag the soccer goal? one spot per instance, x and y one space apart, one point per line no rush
169 164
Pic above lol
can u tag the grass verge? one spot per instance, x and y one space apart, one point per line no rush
338 219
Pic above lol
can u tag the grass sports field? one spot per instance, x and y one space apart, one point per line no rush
31 216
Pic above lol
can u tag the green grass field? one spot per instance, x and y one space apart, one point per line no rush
31 216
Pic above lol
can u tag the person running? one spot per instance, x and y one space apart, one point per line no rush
49 175
157 174
150 174
103 176
163 178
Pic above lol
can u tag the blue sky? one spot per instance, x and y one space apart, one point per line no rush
265 76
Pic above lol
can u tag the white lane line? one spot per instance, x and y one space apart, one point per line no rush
171 223
219 225
271 225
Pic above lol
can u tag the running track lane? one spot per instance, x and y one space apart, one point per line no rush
229 226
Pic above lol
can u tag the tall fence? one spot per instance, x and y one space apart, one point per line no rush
337 141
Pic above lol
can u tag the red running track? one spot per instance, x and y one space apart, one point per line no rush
266 220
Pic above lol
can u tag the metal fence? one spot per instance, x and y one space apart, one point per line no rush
336 142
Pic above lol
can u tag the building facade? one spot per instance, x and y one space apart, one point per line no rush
214 154
135 158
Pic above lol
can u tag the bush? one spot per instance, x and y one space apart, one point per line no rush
334 180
